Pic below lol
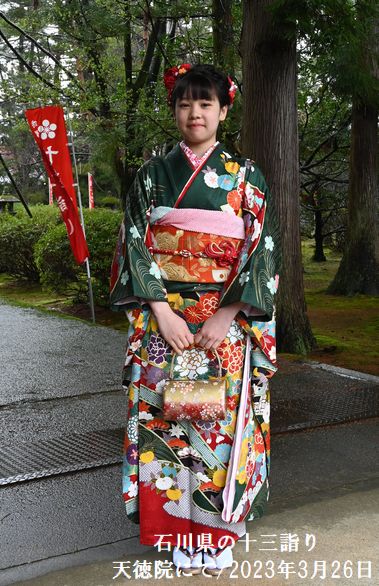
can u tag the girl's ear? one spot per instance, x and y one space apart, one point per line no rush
223 113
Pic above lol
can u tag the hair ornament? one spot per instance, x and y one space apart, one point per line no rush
170 76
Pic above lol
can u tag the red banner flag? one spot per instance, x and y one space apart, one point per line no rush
49 130
91 199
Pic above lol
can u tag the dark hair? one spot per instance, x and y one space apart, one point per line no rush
201 82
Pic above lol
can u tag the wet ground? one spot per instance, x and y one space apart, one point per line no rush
61 377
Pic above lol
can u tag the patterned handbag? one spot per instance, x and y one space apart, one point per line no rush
186 399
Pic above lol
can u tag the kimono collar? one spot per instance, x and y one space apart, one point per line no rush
192 157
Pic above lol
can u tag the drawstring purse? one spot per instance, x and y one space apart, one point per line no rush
186 399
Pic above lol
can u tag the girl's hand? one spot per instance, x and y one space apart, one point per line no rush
216 328
172 328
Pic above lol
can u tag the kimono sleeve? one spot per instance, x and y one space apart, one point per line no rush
135 276
255 277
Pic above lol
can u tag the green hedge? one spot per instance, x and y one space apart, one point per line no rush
18 237
57 267
38 249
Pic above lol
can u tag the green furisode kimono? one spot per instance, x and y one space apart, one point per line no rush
186 479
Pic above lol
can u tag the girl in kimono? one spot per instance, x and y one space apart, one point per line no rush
196 270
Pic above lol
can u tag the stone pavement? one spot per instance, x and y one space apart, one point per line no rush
345 551
62 376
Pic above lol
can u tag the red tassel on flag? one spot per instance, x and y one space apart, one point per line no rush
49 130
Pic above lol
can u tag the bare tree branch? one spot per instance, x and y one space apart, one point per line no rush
28 67
39 46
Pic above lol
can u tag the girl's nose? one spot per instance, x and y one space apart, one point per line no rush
194 112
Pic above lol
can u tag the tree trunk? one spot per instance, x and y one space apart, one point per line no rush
223 38
319 255
270 137
359 268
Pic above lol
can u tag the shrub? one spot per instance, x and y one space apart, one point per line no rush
18 237
57 267
110 201
54 260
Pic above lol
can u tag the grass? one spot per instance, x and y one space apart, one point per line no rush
346 328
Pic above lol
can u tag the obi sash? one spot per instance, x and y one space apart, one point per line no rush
195 245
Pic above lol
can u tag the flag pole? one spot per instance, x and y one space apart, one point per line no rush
10 176
89 282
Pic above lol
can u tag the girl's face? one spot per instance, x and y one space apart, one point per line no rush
198 120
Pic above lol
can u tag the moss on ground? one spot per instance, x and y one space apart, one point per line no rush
346 328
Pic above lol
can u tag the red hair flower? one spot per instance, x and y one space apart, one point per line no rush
171 75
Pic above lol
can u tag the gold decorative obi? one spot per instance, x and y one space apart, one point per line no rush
188 256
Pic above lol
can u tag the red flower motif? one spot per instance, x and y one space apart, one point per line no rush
259 445
157 423
232 357
177 443
232 402
234 199
209 304
194 314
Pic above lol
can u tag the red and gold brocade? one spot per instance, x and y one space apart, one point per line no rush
187 256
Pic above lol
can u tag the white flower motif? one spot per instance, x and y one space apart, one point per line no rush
154 270
192 363
164 483
269 243
160 386
272 353
249 192
235 333
145 415
133 489
257 229
241 175
202 477
211 179
244 277
188 451
134 232
271 284
135 345
226 155
175 430
227 208
47 130
124 278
